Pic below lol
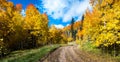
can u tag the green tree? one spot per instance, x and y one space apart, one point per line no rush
72 29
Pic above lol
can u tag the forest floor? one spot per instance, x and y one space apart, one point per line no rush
71 54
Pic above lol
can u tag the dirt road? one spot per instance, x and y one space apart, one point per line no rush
70 54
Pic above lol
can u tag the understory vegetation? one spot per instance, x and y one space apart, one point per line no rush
98 53
30 55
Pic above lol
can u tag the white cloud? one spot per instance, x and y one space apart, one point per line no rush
54 7
23 12
67 24
65 9
59 26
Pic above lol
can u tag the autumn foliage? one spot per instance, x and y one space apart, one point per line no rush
19 7
101 26
23 32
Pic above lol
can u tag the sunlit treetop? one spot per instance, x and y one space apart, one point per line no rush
76 26
30 6
19 7
31 9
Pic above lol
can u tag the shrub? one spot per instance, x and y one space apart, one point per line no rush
3 50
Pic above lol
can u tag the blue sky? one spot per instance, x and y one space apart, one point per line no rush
60 12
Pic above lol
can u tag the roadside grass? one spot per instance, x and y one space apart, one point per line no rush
117 59
98 54
32 55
